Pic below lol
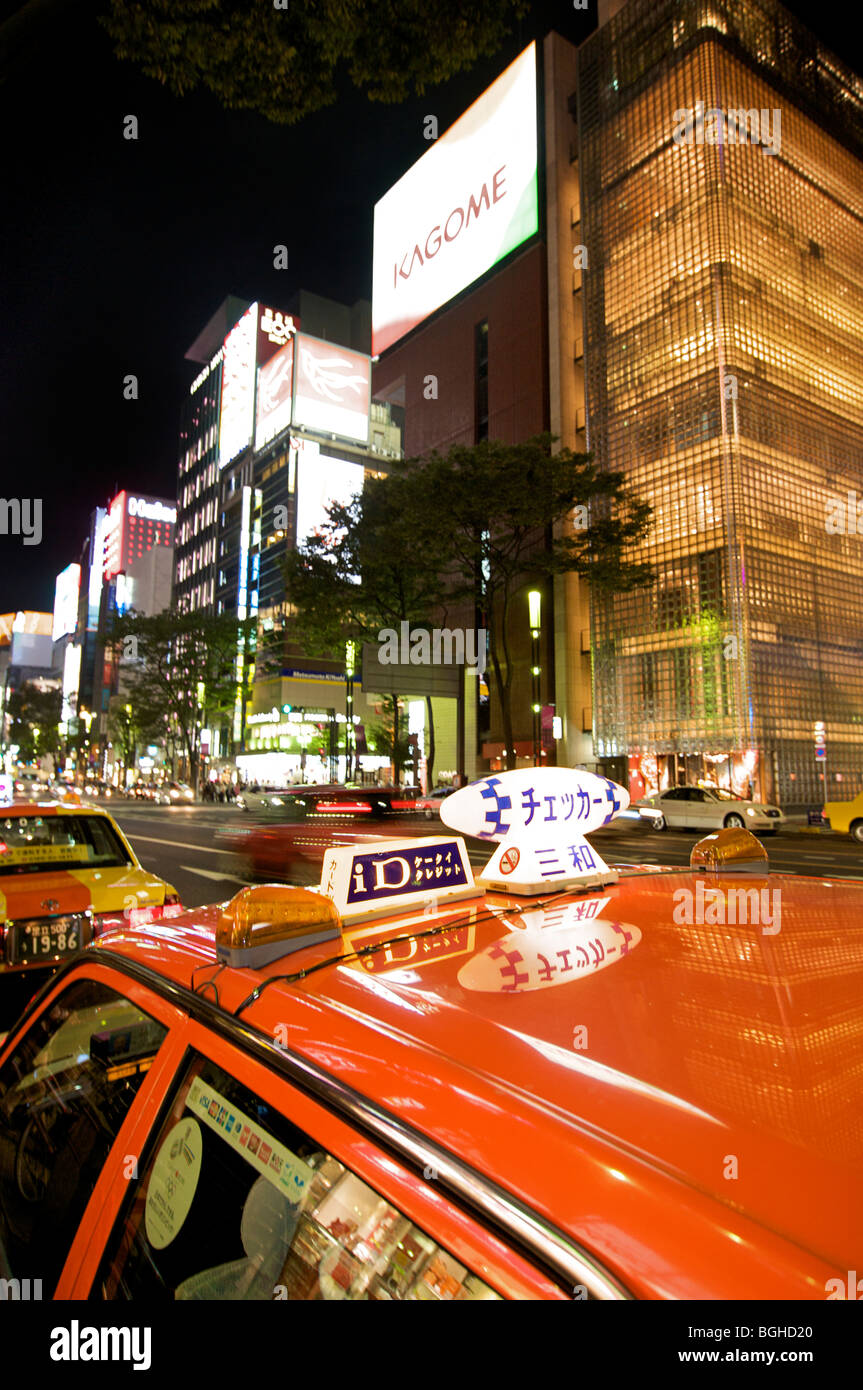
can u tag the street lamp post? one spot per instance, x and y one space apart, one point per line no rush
350 668
534 610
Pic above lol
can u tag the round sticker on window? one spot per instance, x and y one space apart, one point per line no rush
173 1182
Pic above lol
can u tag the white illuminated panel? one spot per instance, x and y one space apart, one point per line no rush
333 389
466 204
66 592
101 532
115 536
152 510
71 678
238 387
320 481
275 389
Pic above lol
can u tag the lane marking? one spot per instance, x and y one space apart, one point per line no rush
208 873
178 844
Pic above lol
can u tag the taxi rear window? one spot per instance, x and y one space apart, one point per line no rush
237 1203
32 844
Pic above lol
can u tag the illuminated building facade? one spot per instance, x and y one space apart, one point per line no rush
278 423
719 150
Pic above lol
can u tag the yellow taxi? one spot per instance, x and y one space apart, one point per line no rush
67 873
846 816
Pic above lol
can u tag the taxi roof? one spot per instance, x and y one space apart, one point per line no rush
51 808
603 1020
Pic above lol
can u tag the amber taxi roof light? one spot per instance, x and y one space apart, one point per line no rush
730 851
271 920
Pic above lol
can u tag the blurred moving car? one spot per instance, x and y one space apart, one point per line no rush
846 816
178 791
527 1096
67 872
708 808
431 803
292 828
30 786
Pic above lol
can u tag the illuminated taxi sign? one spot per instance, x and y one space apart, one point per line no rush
261 924
539 816
366 882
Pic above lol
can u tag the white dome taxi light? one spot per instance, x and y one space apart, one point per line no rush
539 816
556 946
390 876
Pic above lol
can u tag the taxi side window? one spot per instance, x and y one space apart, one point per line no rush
235 1202
64 1094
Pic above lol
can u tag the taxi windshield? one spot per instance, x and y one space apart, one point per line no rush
35 843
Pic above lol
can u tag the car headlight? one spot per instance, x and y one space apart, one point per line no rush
751 811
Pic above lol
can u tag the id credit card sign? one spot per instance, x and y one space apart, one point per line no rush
396 874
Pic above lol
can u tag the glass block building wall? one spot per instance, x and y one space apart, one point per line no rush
723 308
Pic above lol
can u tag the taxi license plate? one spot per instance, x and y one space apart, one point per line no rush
46 938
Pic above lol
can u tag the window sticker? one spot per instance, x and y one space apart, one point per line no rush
38 854
268 1157
173 1182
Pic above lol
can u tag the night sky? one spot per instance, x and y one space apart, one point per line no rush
114 253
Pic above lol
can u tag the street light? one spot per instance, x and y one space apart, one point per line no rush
350 668
534 612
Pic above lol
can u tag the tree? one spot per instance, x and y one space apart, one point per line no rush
130 725
504 515
34 711
186 665
389 736
287 60
376 562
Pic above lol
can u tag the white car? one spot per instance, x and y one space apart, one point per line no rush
706 809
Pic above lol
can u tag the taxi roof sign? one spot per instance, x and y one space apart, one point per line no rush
539 816
373 880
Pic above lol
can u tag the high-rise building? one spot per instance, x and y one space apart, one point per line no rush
279 423
721 191
686 305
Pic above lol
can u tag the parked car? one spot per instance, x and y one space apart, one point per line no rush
846 816
67 873
500 1096
708 808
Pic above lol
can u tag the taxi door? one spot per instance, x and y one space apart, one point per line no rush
79 1085
246 1188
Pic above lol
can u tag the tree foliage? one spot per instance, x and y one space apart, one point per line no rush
506 512
287 60
375 562
185 665
473 527
35 715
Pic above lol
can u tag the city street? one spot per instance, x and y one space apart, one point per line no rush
179 844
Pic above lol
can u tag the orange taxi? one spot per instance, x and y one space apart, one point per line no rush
67 872
410 1084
